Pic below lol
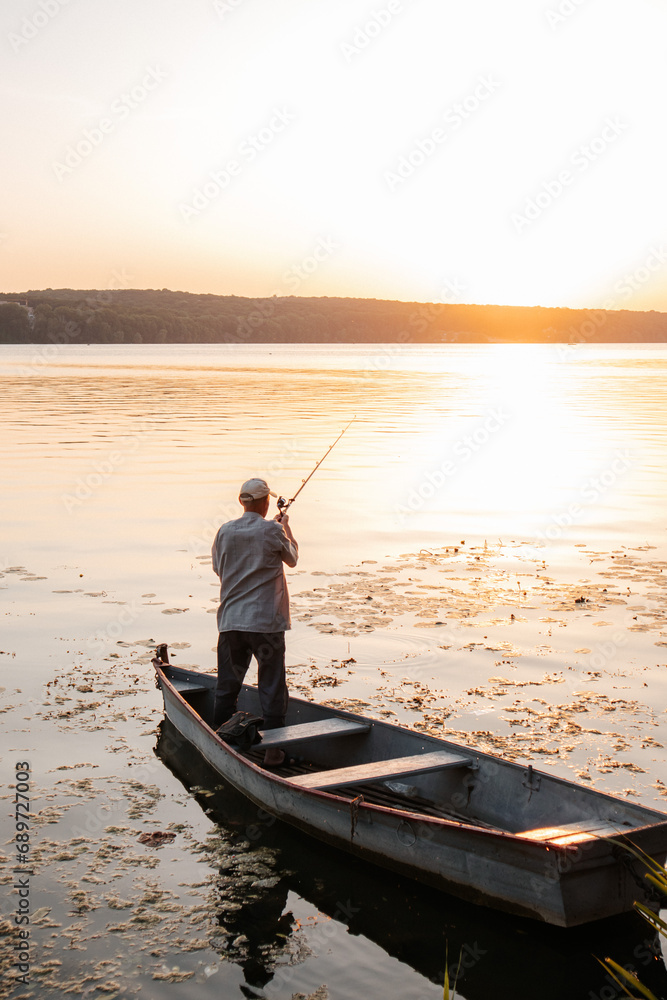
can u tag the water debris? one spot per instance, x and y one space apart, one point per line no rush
157 839
408 630
172 975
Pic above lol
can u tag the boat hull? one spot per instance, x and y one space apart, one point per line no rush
561 885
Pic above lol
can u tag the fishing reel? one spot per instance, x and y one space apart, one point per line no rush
283 504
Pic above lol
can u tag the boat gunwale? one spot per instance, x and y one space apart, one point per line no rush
344 801
594 848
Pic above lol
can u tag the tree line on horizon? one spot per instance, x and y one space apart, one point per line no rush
134 316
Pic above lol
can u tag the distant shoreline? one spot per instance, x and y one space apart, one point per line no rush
135 316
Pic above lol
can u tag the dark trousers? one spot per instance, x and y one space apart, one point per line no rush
235 651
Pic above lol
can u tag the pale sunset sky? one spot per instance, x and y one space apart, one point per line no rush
429 150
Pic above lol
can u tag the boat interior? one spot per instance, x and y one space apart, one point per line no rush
359 759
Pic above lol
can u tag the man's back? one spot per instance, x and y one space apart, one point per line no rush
248 556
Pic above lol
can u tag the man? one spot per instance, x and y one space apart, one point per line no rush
248 556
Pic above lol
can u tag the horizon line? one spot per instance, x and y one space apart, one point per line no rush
358 298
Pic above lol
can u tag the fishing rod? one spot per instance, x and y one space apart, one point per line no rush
283 504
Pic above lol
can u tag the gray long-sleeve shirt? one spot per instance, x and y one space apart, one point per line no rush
248 556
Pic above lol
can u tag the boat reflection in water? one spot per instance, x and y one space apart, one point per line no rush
499 955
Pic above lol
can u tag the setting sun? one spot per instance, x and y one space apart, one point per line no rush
431 145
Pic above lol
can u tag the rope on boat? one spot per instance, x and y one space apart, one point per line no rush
648 891
354 815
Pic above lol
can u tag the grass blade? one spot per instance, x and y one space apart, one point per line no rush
445 990
615 978
652 918
661 883
630 977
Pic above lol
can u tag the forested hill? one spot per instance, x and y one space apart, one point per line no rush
134 316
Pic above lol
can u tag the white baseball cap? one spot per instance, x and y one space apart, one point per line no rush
255 489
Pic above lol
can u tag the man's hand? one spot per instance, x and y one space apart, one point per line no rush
283 520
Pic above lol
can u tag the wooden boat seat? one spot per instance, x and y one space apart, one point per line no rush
310 730
573 833
382 770
188 687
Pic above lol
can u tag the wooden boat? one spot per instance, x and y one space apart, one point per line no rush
486 951
491 831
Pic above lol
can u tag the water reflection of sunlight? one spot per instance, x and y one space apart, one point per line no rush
160 452
520 448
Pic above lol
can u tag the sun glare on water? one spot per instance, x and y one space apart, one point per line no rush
517 449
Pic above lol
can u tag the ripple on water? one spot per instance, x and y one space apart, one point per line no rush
370 650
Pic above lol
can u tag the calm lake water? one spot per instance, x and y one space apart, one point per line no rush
539 470
479 441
